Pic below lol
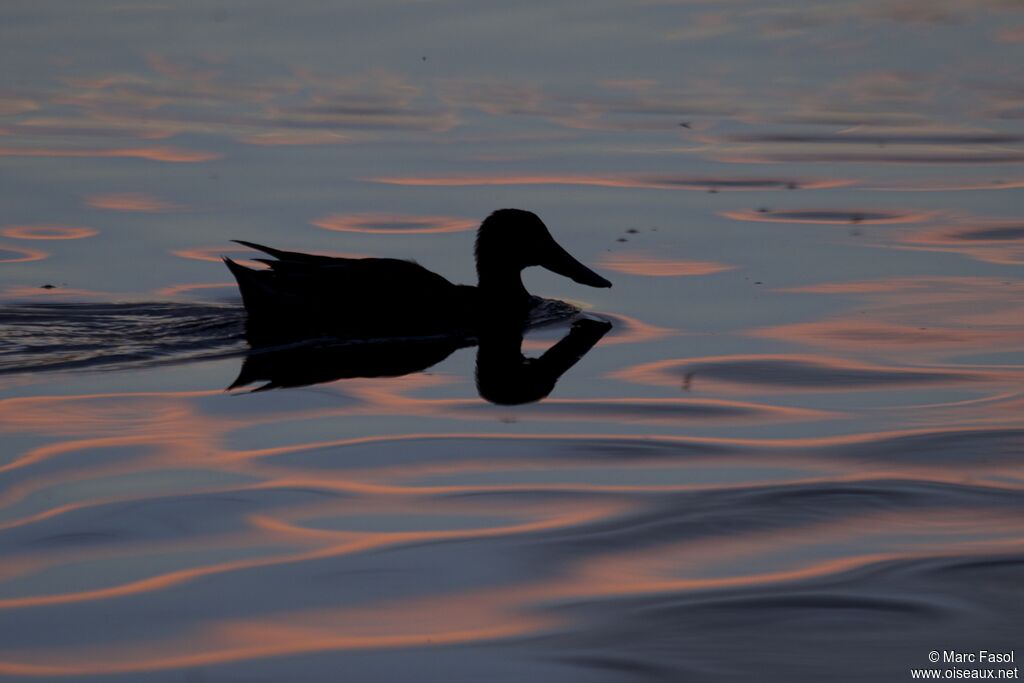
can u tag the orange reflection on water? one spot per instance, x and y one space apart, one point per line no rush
87 433
65 127
854 335
215 253
11 254
638 263
168 154
684 568
52 291
301 544
801 454
827 217
909 314
1000 242
11 106
297 138
394 224
898 286
162 581
1011 34
662 182
947 186
183 432
768 556
130 201
950 295
431 624
664 411
47 232
148 414
630 330
187 288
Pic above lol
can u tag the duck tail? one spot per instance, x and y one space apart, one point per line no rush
239 271
247 282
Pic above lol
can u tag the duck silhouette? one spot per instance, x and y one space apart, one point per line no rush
302 294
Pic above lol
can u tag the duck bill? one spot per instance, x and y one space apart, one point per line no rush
558 260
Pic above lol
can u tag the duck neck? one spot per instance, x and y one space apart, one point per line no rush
502 285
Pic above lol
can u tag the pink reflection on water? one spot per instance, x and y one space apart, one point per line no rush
188 288
652 181
917 314
852 335
919 289
947 185
168 154
396 224
830 216
295 138
12 254
53 291
638 263
130 201
617 410
12 106
793 372
991 241
62 126
1011 34
47 232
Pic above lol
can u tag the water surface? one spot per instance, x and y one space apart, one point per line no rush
796 455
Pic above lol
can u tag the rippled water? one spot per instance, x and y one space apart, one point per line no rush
795 454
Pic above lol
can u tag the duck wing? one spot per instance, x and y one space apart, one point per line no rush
349 296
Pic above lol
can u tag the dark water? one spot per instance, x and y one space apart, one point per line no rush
795 454
92 336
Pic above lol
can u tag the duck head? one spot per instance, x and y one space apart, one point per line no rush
510 240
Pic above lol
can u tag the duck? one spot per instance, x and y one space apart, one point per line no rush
386 297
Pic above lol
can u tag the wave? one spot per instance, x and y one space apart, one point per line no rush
66 336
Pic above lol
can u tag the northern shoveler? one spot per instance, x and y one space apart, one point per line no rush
381 297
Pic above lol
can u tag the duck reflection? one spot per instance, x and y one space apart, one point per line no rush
506 377
503 374
314 319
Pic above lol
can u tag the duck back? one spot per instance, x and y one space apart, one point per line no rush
366 297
